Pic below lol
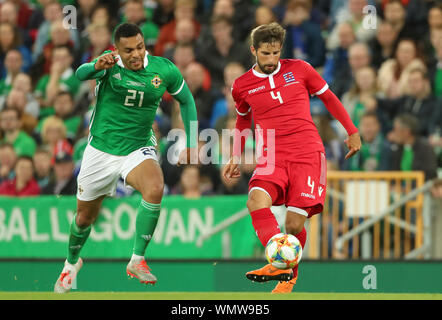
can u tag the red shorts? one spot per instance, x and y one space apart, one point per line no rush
299 183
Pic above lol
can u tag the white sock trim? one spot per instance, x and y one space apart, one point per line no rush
298 210
136 257
150 206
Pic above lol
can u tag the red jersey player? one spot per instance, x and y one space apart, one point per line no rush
276 92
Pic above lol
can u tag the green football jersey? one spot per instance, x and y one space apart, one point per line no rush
127 103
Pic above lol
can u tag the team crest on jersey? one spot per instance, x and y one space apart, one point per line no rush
156 81
288 77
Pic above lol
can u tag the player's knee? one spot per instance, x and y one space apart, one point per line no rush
153 193
294 226
254 204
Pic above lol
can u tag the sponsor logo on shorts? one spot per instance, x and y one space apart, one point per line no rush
307 195
80 190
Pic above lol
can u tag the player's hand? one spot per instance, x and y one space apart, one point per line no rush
106 61
188 155
231 169
354 144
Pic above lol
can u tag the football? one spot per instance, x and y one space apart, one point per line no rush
283 251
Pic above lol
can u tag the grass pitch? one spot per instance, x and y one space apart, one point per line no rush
214 296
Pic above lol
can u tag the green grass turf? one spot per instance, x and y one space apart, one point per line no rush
214 296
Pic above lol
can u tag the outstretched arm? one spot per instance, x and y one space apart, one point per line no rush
317 86
337 110
189 116
242 132
188 113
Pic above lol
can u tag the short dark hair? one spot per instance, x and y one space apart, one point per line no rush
126 30
43 149
24 157
267 33
63 93
437 6
65 46
409 121
395 1
134 1
221 18
15 110
369 114
7 145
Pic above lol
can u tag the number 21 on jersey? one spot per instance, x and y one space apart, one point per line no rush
277 96
130 99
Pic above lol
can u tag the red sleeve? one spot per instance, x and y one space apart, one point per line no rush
243 121
241 106
337 110
315 84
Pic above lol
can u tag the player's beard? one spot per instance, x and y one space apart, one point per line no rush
265 67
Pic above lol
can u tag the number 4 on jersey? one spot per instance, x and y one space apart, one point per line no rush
277 96
311 184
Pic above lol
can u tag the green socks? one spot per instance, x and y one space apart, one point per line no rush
77 238
145 223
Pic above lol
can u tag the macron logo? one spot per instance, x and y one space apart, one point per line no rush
307 195
257 89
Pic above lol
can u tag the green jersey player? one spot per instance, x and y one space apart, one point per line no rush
121 143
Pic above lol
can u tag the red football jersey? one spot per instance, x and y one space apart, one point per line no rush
280 101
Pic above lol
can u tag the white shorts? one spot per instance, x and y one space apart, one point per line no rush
100 171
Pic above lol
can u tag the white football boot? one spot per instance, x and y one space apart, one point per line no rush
67 276
140 270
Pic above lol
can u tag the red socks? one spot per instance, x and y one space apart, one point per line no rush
302 237
265 224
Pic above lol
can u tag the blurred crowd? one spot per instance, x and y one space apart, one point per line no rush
383 59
